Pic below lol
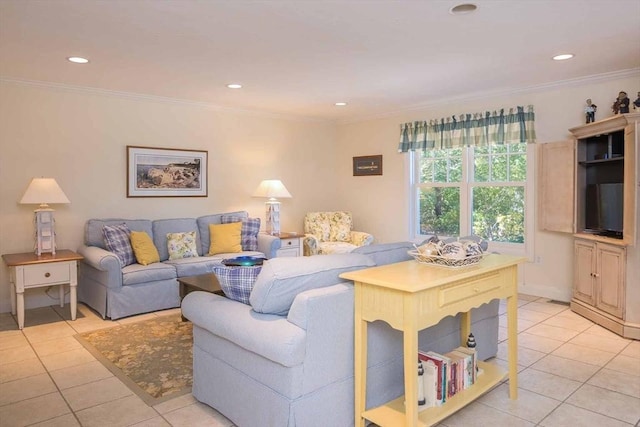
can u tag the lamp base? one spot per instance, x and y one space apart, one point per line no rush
45 231
272 217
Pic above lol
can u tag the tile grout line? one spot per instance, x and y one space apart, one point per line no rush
582 383
59 391
122 397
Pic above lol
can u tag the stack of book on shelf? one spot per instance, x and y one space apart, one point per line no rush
441 376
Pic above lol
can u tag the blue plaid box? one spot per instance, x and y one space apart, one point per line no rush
237 282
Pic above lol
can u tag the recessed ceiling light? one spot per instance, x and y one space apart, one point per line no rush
341 104
77 60
463 8
563 57
234 86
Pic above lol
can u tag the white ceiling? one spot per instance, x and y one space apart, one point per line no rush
298 58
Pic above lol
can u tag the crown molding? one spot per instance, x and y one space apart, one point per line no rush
596 78
159 99
633 72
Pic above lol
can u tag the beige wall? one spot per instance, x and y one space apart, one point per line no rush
380 204
79 138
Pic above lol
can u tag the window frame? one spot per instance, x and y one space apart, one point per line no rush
521 249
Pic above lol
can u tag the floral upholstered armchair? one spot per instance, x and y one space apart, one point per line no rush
330 233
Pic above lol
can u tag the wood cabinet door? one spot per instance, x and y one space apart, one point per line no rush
610 274
556 189
584 264
629 215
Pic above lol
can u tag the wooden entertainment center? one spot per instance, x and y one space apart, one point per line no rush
589 186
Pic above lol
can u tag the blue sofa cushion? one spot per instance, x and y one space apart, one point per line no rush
162 227
93 235
135 274
116 239
249 232
237 282
387 253
281 279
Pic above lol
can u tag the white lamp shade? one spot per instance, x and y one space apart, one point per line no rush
42 191
272 189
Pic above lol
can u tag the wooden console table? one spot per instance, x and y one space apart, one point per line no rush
411 296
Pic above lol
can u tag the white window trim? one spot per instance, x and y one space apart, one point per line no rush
525 249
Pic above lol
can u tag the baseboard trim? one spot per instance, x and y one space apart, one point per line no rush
551 292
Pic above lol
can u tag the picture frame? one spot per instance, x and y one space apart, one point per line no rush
166 172
367 165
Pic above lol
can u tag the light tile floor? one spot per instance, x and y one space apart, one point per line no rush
571 373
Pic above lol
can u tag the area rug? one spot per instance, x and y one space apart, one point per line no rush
153 357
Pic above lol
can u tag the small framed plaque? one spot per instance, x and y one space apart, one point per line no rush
367 165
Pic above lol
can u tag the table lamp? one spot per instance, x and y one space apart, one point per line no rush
42 191
272 189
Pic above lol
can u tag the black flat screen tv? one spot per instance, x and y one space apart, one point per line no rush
604 209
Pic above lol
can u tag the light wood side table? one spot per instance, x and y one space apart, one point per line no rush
28 271
411 296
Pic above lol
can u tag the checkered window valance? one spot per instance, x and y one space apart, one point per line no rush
469 130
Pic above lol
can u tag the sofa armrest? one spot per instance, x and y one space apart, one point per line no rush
360 238
103 261
310 245
327 316
268 335
268 244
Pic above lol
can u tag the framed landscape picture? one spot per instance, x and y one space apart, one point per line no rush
367 165
165 172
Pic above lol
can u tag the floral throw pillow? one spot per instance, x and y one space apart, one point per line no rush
116 239
182 245
237 282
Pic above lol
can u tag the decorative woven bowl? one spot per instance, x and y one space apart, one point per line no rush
443 261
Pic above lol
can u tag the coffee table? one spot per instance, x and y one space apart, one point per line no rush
204 282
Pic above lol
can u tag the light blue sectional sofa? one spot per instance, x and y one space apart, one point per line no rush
287 359
115 291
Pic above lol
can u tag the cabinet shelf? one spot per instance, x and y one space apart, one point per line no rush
392 413
600 161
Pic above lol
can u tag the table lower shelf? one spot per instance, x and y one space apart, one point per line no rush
392 413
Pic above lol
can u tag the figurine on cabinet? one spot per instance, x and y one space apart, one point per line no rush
621 104
590 111
636 103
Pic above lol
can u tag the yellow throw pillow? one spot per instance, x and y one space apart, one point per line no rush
225 238
143 248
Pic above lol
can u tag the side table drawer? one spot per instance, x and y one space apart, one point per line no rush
470 288
290 243
43 274
290 247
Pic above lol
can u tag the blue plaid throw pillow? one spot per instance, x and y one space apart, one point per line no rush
116 239
249 232
237 282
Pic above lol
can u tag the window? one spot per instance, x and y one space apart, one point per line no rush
480 190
